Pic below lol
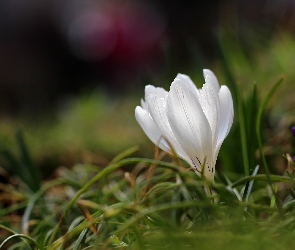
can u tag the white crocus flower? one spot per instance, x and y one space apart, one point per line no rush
194 121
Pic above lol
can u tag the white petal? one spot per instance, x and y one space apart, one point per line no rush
150 128
208 72
210 104
226 113
150 89
143 104
158 113
189 123
226 117
188 81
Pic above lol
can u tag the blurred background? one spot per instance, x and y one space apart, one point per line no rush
72 71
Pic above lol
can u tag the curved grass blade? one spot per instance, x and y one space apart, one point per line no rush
19 236
263 177
124 154
13 232
243 135
32 201
259 140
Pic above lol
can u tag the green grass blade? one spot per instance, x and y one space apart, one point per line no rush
33 178
243 135
259 139
19 236
249 186
80 239
263 177
124 154
32 201
251 115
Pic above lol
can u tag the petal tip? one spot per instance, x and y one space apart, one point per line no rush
207 72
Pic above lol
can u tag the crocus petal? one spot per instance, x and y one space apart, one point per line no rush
150 89
158 112
188 81
189 123
226 113
150 128
226 117
143 104
208 72
210 104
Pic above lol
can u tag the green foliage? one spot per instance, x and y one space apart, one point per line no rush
23 167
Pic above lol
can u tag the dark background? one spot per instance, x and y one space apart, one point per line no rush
51 49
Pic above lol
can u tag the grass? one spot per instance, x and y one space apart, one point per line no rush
103 201
156 205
